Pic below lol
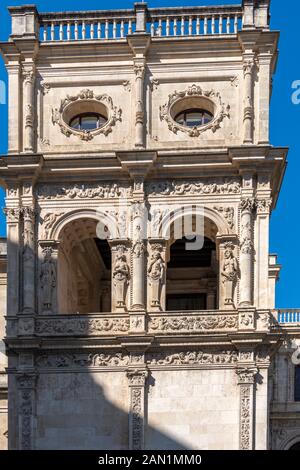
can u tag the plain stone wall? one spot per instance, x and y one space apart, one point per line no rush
193 409
82 411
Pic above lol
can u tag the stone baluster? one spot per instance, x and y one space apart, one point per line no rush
246 252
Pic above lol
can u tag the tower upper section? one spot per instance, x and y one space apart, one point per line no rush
93 82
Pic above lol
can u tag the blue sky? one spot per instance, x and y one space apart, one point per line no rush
285 119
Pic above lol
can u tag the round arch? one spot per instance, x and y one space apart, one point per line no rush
291 442
206 212
79 214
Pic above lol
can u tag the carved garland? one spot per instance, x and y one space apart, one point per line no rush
114 114
222 111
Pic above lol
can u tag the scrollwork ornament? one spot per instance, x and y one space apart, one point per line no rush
114 115
222 111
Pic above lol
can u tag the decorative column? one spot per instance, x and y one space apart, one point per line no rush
248 67
28 106
29 215
156 271
137 379
246 381
139 224
120 274
26 400
139 70
246 252
48 277
13 215
263 207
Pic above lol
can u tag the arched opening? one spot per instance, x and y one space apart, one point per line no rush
192 269
84 269
295 446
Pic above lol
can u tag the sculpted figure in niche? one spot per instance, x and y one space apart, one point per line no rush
229 273
120 278
48 280
156 275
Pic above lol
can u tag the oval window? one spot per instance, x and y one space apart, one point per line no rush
194 117
88 121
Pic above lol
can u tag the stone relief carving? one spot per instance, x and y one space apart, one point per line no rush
192 323
194 91
114 114
13 214
228 213
81 326
247 245
48 222
84 191
263 206
47 279
156 275
26 384
229 272
120 276
186 187
63 360
246 380
153 83
137 382
247 205
127 85
191 358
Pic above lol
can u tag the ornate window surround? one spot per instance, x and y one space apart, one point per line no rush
86 101
194 97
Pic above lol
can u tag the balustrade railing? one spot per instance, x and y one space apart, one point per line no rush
82 26
288 316
117 24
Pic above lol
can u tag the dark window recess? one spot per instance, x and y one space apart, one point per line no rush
87 121
297 383
105 252
194 117
183 258
186 302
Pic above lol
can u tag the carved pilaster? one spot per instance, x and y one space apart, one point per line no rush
246 382
137 385
26 399
48 276
29 215
156 272
228 271
248 68
247 206
13 216
139 70
28 73
120 274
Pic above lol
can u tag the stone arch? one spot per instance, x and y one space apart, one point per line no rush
210 215
79 214
84 261
290 442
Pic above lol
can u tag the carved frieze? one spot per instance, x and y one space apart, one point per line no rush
84 191
192 323
81 326
190 187
78 360
191 358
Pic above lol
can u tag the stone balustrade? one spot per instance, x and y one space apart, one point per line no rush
158 22
288 316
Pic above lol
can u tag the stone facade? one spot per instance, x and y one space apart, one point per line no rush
117 336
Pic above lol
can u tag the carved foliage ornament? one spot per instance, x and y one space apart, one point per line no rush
87 96
194 91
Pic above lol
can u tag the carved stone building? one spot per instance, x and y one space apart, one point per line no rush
130 132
